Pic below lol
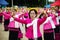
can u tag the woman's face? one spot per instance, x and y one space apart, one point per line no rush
53 11
14 12
32 15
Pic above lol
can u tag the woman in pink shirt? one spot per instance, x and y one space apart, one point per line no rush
14 27
33 24
6 19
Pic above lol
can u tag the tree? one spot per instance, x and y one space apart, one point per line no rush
29 3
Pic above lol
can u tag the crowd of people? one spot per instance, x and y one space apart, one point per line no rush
45 19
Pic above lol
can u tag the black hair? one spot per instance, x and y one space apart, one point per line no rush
41 15
34 11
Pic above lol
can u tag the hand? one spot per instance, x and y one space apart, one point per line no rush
56 14
45 12
24 11
41 10
45 15
21 13
12 14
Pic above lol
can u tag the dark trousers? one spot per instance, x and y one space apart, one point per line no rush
13 35
1 19
40 38
6 23
48 36
57 32
57 29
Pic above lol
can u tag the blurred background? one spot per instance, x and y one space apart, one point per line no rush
24 3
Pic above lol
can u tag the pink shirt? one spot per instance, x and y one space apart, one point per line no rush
0 14
48 27
29 32
53 18
6 14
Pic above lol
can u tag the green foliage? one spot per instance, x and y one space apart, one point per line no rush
29 3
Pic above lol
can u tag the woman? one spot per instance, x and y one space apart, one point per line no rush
13 27
33 23
6 19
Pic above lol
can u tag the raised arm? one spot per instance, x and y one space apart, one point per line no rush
21 20
7 15
42 20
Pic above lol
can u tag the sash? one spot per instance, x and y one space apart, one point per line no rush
57 19
16 23
52 24
19 25
34 23
51 21
11 19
